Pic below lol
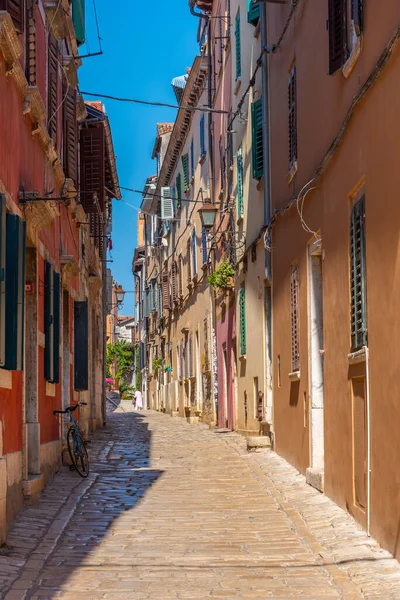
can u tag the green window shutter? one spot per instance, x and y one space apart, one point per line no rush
358 282
257 139
253 13
238 49
178 190
78 19
14 292
239 165
48 322
185 169
242 316
56 327
2 280
81 346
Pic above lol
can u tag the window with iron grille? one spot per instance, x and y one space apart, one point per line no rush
202 137
178 189
292 100
204 245
194 252
358 284
345 25
242 317
185 170
239 168
294 313
238 47
257 139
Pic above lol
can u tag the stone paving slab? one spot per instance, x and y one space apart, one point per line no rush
173 510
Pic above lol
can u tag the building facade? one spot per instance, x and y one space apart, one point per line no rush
53 219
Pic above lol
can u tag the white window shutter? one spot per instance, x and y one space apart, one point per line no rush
167 204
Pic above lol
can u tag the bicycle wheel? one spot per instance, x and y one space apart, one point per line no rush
78 453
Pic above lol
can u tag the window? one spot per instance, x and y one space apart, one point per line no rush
192 158
70 134
167 204
12 289
185 170
204 249
257 139
194 252
358 277
238 49
242 317
52 87
180 270
202 137
81 346
16 10
239 167
178 191
253 12
292 94
188 261
294 313
345 26
174 272
166 298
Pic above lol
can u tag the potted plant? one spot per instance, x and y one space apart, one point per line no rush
223 277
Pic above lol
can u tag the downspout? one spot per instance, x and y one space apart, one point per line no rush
265 124
368 441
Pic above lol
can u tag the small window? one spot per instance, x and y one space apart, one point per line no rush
292 101
239 169
358 284
345 25
238 47
294 313
257 139
242 317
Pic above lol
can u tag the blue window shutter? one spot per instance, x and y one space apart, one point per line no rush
253 13
21 294
202 136
194 252
242 316
238 47
56 327
257 139
192 158
81 346
204 244
2 280
12 263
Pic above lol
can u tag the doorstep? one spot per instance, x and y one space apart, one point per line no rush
32 488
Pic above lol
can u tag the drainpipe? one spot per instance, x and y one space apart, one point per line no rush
265 123
368 441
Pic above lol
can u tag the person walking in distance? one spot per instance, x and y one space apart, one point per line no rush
138 400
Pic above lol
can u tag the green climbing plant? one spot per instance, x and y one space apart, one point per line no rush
122 352
223 276
156 365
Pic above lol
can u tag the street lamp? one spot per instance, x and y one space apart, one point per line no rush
119 294
208 212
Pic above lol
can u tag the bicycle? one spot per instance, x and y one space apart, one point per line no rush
76 446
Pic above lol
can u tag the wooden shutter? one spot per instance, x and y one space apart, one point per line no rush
337 31
185 170
294 312
253 13
242 317
3 218
239 165
167 204
188 260
178 184
14 292
81 346
56 327
92 168
238 47
358 277
16 10
222 163
292 100
202 136
21 293
180 271
70 135
204 245
165 290
206 346
257 139
48 322
52 87
174 282
194 252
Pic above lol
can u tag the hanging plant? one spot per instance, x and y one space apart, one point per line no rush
223 277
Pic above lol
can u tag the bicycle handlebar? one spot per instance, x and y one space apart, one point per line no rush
69 409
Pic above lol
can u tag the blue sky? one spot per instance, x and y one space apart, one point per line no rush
145 45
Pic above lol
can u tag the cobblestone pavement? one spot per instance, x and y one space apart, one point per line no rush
173 510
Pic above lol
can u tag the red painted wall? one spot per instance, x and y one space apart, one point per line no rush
11 415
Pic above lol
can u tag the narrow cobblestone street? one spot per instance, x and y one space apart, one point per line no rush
173 510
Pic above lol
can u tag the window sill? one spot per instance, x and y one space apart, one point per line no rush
353 58
292 172
202 158
260 184
357 357
239 220
243 357
294 376
237 86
